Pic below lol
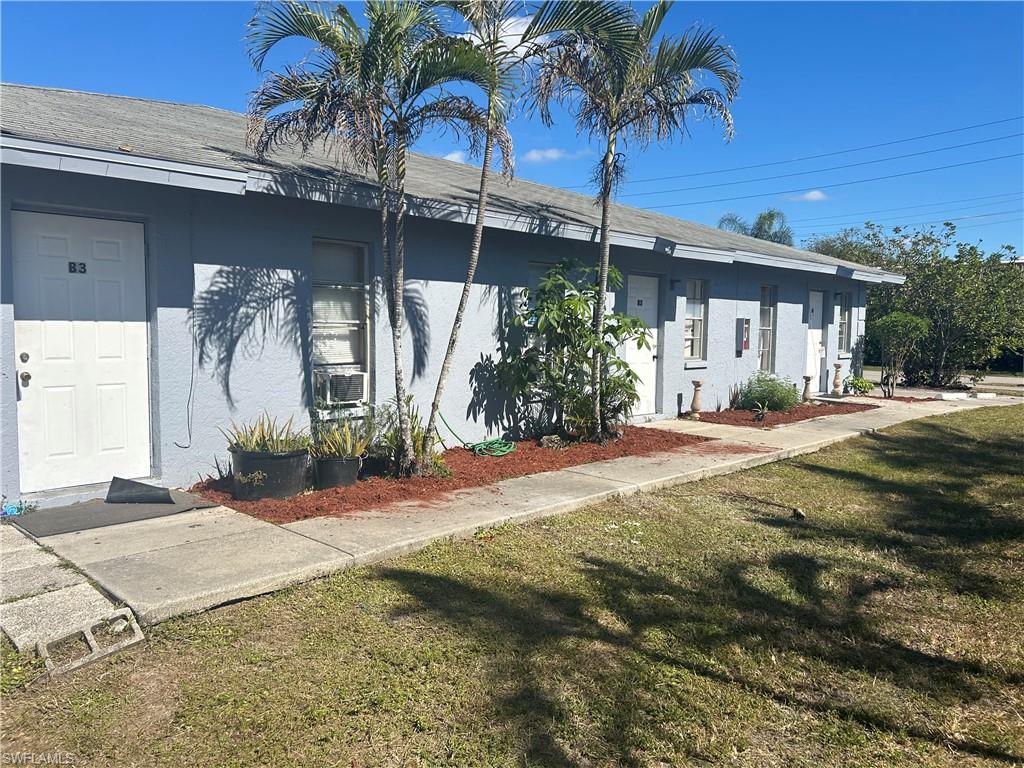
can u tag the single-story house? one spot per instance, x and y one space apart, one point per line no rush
158 282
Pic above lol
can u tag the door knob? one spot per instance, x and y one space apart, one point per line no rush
26 377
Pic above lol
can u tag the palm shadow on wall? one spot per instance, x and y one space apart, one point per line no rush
490 399
243 308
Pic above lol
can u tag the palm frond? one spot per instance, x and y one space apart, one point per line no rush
732 222
275 22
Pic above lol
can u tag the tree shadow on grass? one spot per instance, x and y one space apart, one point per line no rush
655 651
549 640
934 521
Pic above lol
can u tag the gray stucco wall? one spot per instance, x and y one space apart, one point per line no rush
249 247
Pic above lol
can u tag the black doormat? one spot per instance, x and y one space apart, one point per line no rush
97 513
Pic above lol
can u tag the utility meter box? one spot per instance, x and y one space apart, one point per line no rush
742 335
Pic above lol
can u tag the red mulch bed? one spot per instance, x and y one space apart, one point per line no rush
467 471
802 412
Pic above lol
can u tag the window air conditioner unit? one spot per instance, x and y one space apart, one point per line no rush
347 388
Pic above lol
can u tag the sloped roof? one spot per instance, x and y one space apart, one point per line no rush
216 138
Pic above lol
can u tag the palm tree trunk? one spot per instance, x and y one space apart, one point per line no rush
406 458
467 286
597 360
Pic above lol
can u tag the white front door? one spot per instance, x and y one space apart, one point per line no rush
81 349
815 366
642 302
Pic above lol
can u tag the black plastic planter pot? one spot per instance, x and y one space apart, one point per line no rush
332 473
268 475
374 466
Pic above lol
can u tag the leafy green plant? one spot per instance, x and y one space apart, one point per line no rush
266 435
346 438
550 378
767 390
761 411
388 438
857 385
897 335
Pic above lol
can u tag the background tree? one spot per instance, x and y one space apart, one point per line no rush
633 89
973 301
769 225
492 29
370 93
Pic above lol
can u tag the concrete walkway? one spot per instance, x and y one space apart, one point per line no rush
196 560
42 597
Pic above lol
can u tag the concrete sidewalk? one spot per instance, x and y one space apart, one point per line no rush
196 560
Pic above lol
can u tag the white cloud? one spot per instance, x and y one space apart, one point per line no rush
812 196
552 154
457 156
511 32
544 155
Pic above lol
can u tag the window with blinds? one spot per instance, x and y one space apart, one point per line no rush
845 321
339 322
695 327
766 329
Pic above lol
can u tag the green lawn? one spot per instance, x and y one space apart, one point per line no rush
697 626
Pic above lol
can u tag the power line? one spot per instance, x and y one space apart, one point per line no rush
816 157
940 212
810 237
992 223
908 207
836 184
821 170
930 221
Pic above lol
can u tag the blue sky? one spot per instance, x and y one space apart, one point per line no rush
817 78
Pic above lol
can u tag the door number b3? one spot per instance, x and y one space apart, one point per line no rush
76 267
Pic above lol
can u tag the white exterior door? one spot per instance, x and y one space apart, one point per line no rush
642 302
81 350
815 365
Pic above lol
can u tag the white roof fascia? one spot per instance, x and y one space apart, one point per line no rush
703 254
881 276
117 165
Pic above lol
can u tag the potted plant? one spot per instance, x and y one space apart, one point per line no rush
268 460
337 449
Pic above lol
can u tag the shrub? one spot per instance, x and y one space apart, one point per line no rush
858 385
345 438
898 335
767 391
265 435
388 442
549 378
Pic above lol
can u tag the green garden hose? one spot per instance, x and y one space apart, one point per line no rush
495 447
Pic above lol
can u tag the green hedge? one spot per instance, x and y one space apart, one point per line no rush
765 389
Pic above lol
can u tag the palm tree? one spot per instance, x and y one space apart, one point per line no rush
769 225
370 94
638 90
492 28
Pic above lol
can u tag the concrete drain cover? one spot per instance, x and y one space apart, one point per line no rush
92 642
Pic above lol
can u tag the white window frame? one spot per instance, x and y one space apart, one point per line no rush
766 363
364 324
695 286
845 325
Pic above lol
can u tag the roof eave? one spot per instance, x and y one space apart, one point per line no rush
121 165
